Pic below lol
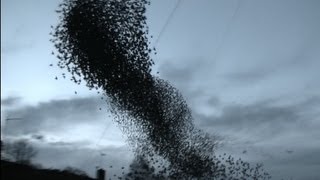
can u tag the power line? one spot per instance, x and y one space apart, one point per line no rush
102 134
13 119
167 22
96 146
233 17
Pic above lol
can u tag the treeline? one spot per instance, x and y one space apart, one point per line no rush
11 170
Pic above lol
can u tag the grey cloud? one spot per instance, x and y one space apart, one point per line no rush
61 143
10 101
214 101
54 115
304 57
187 76
265 114
247 77
299 165
307 157
182 73
177 73
38 137
267 131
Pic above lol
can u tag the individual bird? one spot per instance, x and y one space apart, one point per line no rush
289 151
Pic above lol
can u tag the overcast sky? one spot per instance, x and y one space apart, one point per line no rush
249 70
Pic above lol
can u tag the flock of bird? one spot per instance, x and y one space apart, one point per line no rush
104 43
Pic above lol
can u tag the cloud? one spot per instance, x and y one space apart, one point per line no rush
181 74
245 106
189 73
191 77
267 131
10 101
61 122
264 117
71 132
38 137
54 115
300 165
214 101
248 77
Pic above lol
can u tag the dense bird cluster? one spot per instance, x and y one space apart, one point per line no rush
104 42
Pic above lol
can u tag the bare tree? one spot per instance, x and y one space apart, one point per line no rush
21 151
74 170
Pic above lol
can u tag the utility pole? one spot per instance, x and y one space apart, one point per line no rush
13 119
8 120
101 173
3 131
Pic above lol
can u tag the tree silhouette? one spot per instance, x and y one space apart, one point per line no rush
75 171
140 169
21 151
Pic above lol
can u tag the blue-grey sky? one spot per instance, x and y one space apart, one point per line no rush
248 69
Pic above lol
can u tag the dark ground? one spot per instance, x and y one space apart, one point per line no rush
14 171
